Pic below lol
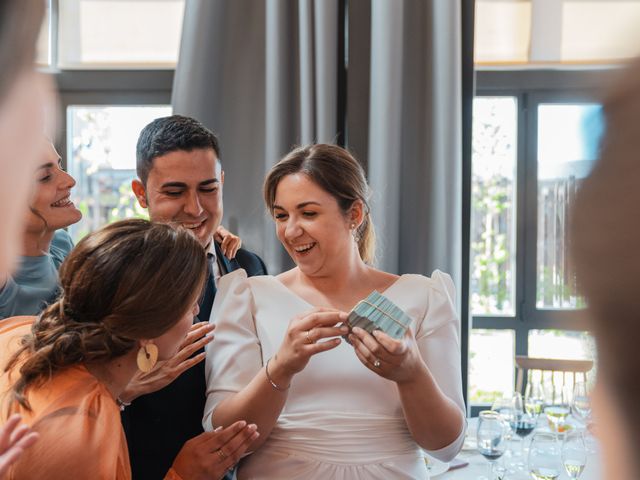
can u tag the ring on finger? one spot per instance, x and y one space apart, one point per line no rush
377 363
221 454
309 341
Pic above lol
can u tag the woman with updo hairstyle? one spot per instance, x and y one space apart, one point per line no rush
129 294
328 408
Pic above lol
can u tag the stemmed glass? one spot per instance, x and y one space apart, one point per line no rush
559 407
491 440
580 403
504 407
574 454
534 399
523 427
544 457
514 415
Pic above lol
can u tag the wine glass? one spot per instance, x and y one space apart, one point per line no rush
523 427
544 457
574 454
504 406
491 439
513 415
559 407
580 404
534 399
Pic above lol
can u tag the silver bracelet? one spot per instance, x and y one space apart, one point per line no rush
274 384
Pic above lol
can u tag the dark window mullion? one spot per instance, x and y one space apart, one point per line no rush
530 167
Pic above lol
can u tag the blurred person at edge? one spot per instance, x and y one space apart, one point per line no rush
26 102
605 242
25 96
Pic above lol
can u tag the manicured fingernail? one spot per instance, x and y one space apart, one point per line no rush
253 426
344 329
217 429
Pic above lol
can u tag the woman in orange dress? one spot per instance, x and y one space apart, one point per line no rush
129 294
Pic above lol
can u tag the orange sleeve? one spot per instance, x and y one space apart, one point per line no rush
82 439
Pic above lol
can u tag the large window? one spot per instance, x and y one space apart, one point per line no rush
541 66
531 149
101 156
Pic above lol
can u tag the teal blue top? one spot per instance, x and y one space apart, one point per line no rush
35 284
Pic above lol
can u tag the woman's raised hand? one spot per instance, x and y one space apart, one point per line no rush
15 438
396 360
309 333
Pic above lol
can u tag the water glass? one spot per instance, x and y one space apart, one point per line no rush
559 408
491 439
534 399
580 403
544 457
574 454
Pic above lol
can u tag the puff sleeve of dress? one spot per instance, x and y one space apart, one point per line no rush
235 356
438 339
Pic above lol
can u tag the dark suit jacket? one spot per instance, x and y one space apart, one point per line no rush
157 425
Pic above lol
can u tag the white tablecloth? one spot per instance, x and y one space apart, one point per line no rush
478 464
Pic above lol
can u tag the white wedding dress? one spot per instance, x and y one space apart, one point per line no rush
341 421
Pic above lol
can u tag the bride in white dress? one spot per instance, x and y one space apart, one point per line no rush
326 409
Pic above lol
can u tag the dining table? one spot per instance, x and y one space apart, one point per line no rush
477 464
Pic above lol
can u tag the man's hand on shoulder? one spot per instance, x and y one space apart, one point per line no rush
166 372
229 243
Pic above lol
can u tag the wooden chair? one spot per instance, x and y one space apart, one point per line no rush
573 368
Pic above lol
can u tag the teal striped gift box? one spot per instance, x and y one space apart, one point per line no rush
377 312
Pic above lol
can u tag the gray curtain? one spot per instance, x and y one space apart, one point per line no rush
406 56
263 75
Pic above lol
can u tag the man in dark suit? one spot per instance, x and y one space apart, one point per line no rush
180 181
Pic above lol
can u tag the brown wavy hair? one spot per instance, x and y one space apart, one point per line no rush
20 23
337 172
128 281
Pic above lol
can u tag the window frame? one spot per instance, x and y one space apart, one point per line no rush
530 89
108 87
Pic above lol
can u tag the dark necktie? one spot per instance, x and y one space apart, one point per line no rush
209 292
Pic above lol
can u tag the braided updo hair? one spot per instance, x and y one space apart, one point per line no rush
128 281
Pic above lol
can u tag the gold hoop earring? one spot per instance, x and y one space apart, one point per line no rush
147 357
